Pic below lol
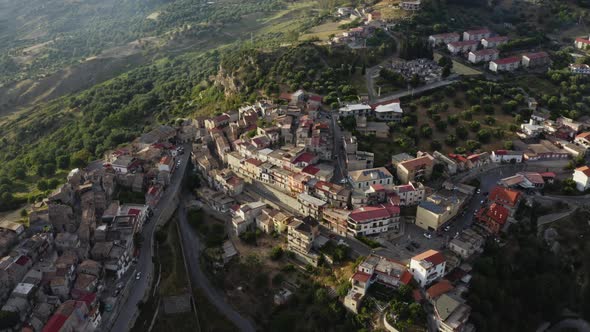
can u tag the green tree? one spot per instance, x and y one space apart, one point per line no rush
276 253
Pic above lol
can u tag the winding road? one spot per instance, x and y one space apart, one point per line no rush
145 264
193 247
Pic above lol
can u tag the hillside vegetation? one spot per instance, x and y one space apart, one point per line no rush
40 36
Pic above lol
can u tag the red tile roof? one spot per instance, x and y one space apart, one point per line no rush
505 61
464 43
315 98
584 169
584 135
285 96
548 175
504 196
497 213
537 55
367 213
55 323
418 162
305 157
496 39
440 288
583 40
361 276
134 212
312 170
486 51
22 260
406 277
254 161
431 256
417 295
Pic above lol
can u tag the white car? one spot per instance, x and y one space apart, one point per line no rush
428 235
447 228
138 276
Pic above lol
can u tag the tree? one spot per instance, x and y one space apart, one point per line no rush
490 120
276 253
426 131
8 319
451 140
508 145
461 132
435 145
441 125
474 125
23 213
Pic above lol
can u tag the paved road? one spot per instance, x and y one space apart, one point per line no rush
145 264
192 249
418 90
340 171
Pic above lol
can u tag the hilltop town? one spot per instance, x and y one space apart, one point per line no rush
453 179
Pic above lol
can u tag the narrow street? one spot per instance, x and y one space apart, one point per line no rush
192 249
145 265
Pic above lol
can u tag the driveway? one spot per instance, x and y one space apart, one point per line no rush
128 310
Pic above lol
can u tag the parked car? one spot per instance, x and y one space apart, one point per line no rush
447 228
138 276
428 235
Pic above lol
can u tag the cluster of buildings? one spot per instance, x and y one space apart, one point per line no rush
427 271
357 36
563 137
380 113
481 45
80 242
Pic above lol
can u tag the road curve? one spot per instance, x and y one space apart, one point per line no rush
192 249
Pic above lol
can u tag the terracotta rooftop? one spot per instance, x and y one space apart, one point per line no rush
584 169
431 256
438 289
505 61
504 196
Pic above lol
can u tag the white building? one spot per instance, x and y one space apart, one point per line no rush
531 129
411 193
389 112
355 109
427 267
492 42
411 5
583 139
369 220
245 215
364 178
578 68
582 178
499 156
462 46
505 64
483 55
477 34
444 38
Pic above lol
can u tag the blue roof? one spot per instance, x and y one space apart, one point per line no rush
432 207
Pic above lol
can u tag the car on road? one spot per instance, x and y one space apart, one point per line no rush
447 228
116 292
428 235
409 248
138 276
478 191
